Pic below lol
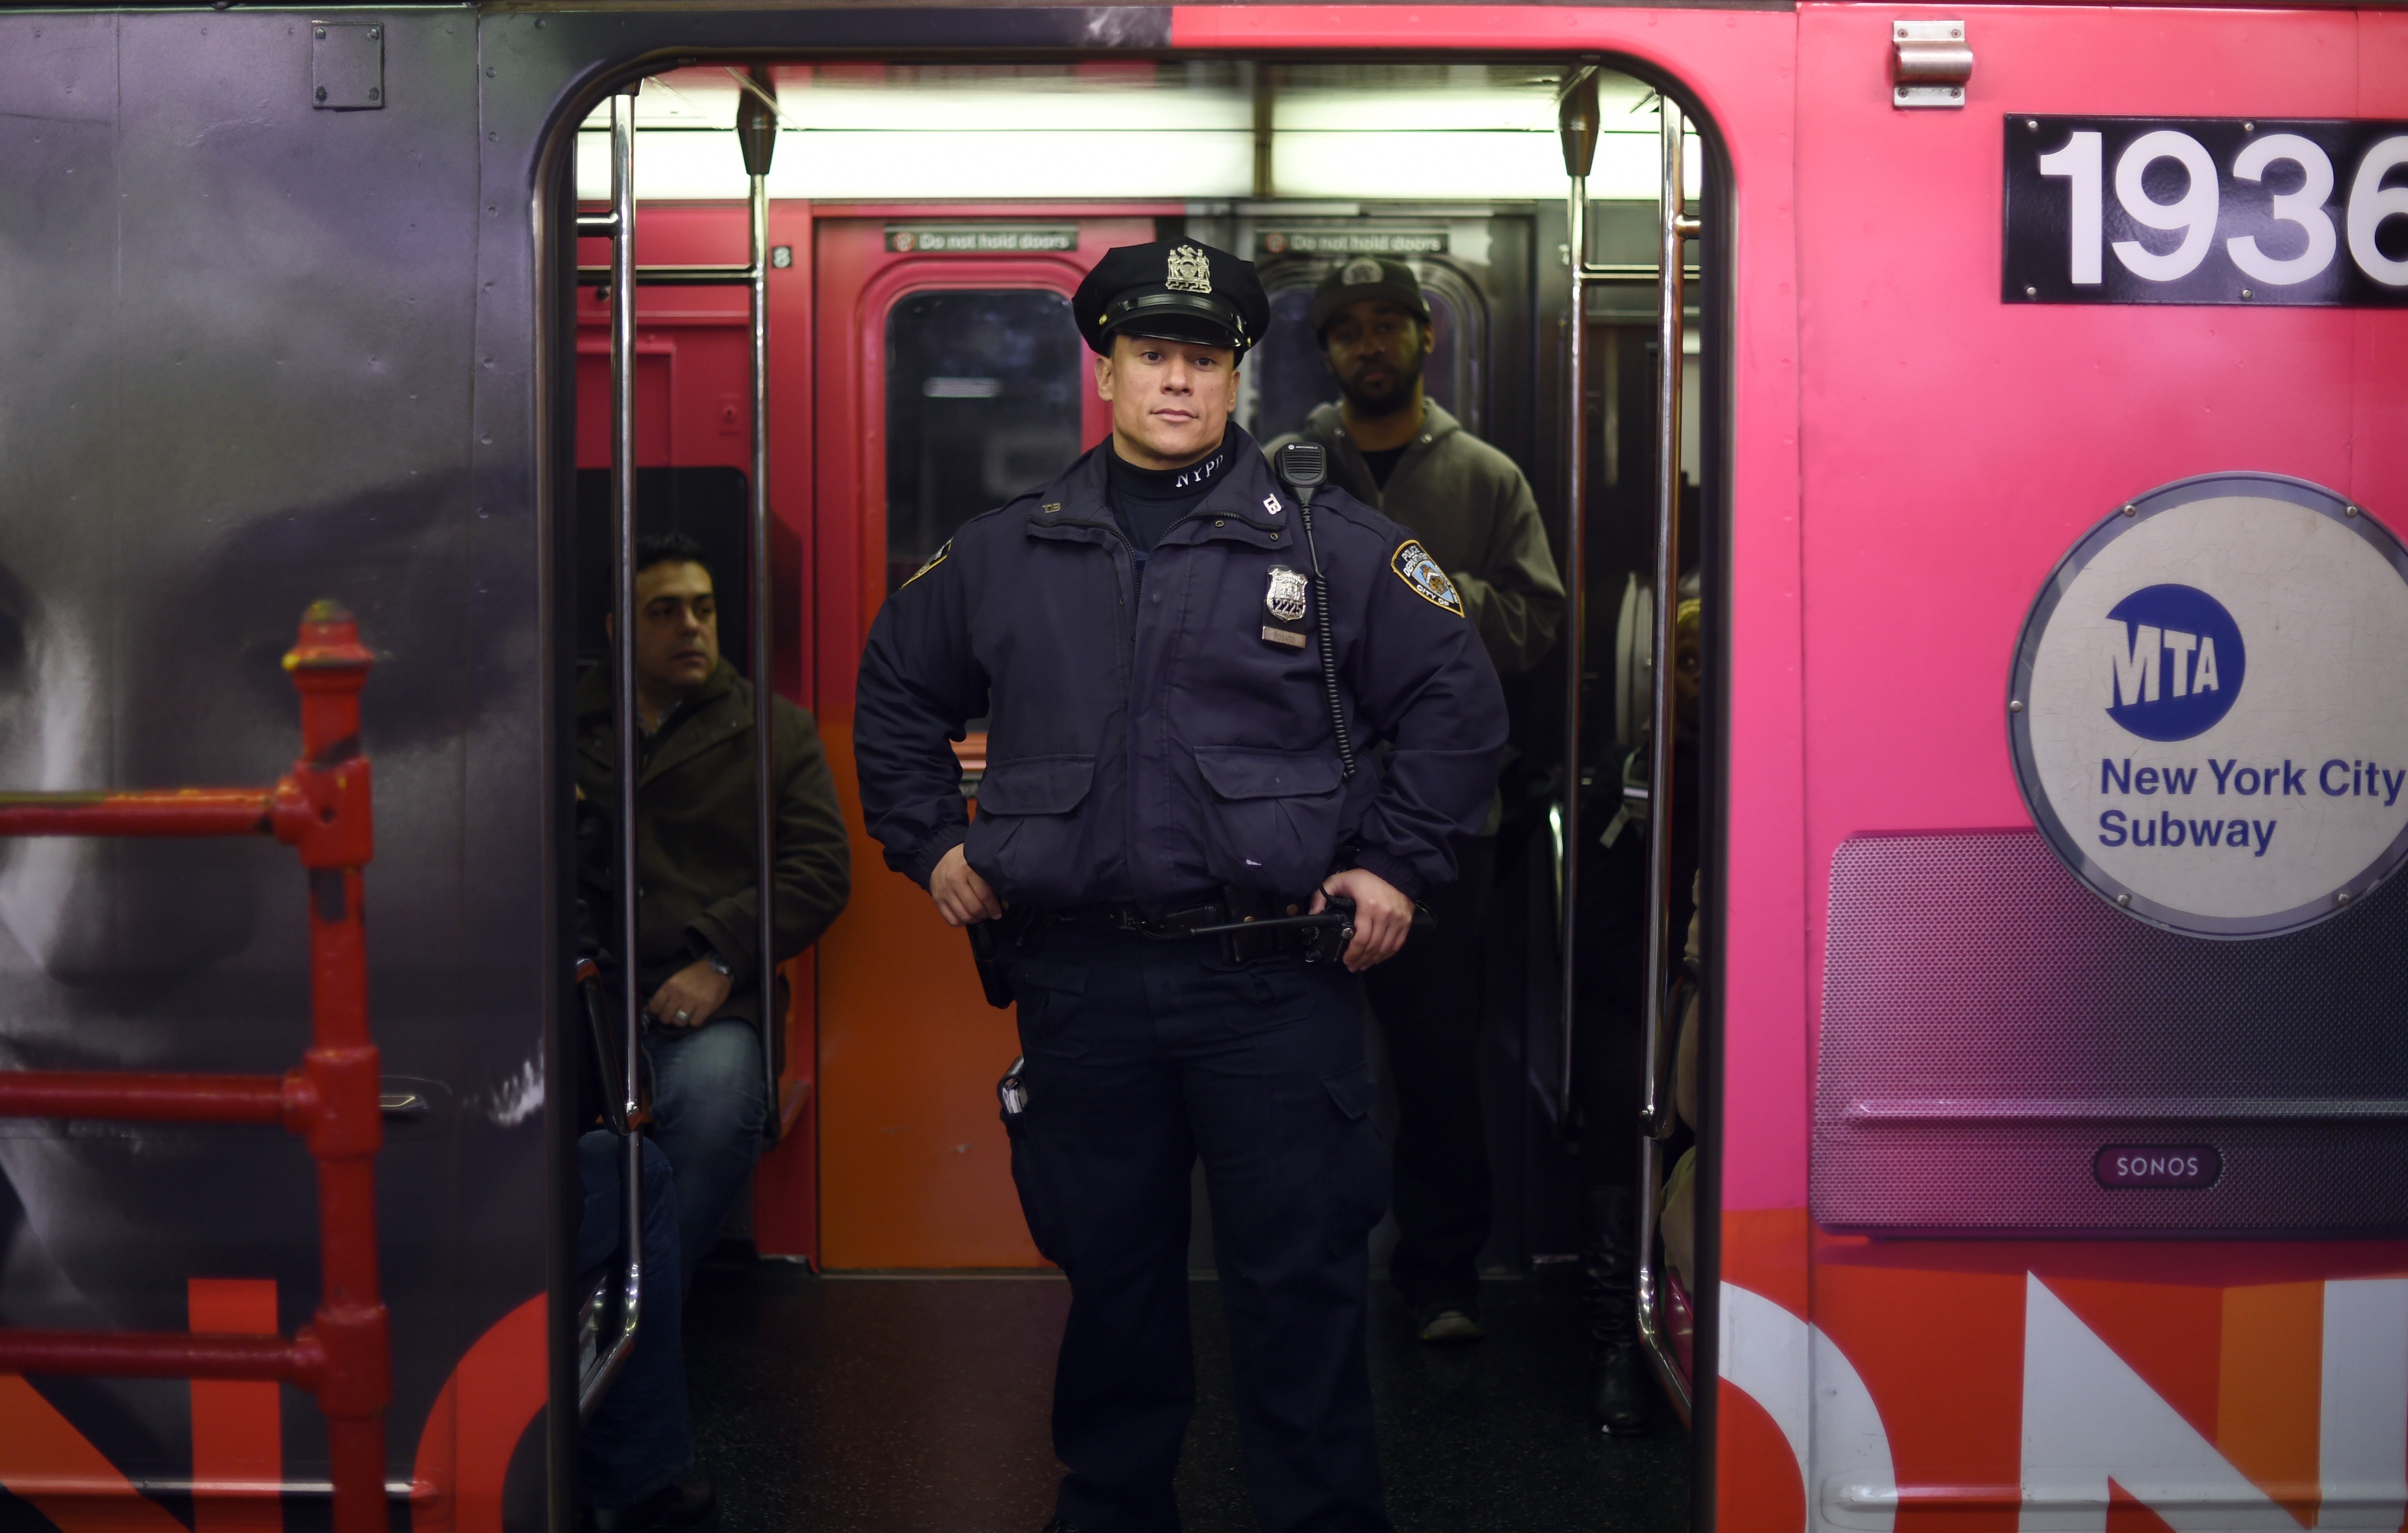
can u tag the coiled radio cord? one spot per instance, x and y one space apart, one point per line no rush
1304 467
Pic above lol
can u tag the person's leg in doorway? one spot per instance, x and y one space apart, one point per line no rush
1430 1001
1101 1156
709 1108
635 1451
1608 1077
1279 1092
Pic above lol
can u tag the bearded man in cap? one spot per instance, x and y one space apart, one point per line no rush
1167 752
1394 449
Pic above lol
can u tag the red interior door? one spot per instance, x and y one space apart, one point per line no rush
951 378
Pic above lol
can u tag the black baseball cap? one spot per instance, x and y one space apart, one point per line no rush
1361 277
1172 290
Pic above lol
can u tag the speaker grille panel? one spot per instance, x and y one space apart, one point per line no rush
1989 1026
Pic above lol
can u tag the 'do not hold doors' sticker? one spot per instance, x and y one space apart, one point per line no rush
2209 713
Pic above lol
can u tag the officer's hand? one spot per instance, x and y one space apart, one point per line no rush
963 897
1384 917
690 998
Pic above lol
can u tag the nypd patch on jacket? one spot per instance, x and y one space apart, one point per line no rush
1155 738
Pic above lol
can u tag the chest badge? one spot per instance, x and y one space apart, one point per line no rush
1284 602
1416 568
1285 598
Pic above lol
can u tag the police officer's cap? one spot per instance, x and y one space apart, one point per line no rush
1172 290
1366 277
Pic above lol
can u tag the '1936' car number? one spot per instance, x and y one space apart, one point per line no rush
2206 211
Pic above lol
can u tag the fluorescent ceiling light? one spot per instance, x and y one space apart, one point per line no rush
999 164
868 134
1358 111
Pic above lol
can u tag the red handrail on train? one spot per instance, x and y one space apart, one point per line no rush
320 808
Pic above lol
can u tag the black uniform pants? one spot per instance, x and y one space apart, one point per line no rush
1430 1001
1141 1056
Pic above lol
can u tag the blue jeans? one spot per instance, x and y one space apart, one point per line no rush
709 1108
637 1439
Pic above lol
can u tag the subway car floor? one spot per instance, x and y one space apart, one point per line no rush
897 1405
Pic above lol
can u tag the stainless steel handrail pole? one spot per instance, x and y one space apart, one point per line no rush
1578 122
757 135
1673 226
623 717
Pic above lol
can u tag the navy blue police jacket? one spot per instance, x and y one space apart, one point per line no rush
1146 742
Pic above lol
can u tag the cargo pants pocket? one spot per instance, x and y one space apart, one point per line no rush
1037 1204
1357 1166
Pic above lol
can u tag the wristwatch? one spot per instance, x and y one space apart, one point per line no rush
719 966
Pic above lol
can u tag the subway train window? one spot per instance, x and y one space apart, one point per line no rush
982 392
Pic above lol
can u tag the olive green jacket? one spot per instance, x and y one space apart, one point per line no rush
1474 512
693 832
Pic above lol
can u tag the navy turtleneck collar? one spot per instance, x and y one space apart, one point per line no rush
1149 502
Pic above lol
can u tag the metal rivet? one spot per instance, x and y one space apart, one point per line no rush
322 31
2247 293
2249 127
2123 899
375 32
2130 511
2031 124
2015 705
1218 522
322 93
2342 898
375 94
2031 293
1957 32
2349 511
1954 91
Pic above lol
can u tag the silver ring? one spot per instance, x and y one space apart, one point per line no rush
682 1015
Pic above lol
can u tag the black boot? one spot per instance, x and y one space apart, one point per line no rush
1622 1396
685 1505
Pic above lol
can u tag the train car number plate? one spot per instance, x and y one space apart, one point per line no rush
2206 211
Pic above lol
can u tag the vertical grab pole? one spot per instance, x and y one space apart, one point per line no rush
1673 227
1577 121
756 133
624 721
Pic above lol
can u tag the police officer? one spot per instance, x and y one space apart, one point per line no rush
1163 754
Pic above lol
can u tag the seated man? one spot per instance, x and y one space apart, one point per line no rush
695 953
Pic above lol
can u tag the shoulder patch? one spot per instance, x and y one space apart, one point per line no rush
938 557
1416 568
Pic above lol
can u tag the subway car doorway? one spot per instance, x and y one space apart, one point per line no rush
828 362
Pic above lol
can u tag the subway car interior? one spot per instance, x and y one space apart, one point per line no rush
851 318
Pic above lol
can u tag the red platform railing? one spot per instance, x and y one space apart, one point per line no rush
320 808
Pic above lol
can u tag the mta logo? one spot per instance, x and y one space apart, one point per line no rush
2175 662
